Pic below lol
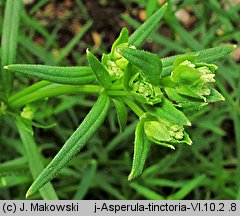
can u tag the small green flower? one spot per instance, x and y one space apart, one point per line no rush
114 62
28 112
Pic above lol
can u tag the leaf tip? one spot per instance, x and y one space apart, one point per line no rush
166 4
5 67
28 194
188 123
131 177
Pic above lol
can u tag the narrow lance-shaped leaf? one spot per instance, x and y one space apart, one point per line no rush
62 75
148 63
86 181
207 55
122 113
33 156
140 35
9 40
75 143
141 149
167 111
188 187
101 73
146 192
214 96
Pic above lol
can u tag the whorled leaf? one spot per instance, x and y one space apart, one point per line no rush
148 63
141 149
62 75
101 73
122 113
166 110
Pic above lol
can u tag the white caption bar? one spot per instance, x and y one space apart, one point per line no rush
114 207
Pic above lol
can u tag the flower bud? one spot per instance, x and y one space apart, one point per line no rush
144 91
192 79
27 112
161 131
113 69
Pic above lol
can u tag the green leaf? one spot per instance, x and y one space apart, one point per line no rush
173 95
187 188
99 70
148 63
122 113
13 180
74 144
29 90
141 149
140 35
33 156
62 75
191 107
184 74
146 192
214 96
123 38
166 110
189 91
87 179
9 40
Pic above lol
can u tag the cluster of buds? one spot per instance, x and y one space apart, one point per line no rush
164 133
114 62
193 79
142 90
139 73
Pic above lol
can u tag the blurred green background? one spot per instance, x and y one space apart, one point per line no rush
58 33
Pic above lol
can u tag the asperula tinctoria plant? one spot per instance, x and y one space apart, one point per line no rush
161 92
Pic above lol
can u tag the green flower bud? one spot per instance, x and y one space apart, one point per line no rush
115 63
113 69
161 131
28 112
144 91
206 74
192 79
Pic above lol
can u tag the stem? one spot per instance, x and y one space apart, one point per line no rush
53 90
115 93
29 90
134 107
